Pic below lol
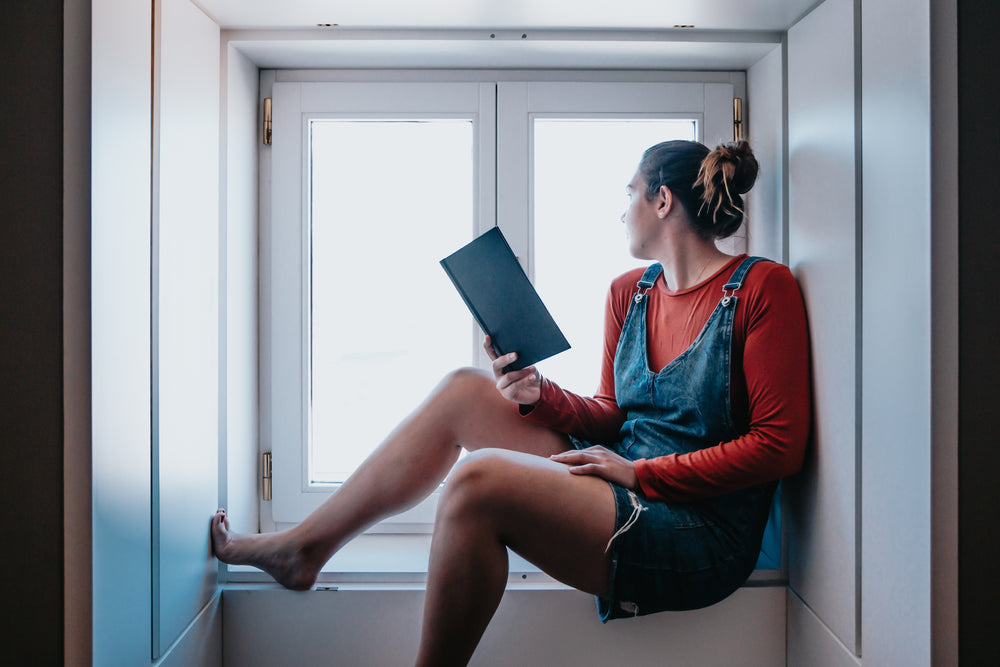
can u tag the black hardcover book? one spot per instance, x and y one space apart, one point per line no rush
503 300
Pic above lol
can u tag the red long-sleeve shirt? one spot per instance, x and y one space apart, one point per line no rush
769 389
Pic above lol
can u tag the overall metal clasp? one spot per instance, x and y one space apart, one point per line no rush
642 286
729 293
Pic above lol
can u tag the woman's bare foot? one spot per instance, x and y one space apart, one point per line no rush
275 553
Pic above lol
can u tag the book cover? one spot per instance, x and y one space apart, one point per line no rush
504 302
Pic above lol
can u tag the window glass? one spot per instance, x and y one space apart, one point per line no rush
581 168
371 184
388 199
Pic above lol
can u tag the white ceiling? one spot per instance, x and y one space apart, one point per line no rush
500 14
431 54
622 34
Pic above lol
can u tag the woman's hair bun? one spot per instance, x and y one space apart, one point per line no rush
744 164
708 183
726 173
732 166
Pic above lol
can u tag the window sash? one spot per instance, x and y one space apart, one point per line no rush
285 263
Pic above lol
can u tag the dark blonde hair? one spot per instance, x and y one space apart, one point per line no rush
709 184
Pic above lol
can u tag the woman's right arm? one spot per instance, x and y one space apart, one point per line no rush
594 418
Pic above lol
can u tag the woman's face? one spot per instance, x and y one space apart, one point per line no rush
642 222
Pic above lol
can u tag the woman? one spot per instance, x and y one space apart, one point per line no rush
651 495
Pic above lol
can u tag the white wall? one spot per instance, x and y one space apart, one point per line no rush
905 608
120 293
239 485
764 231
185 314
898 395
154 289
823 254
764 116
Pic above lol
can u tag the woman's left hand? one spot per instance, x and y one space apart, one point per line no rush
601 462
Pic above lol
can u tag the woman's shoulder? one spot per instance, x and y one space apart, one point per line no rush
770 274
626 282
771 286
622 290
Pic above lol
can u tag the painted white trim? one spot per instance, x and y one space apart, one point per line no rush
200 643
811 643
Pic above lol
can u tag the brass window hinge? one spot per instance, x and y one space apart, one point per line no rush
266 476
267 121
737 118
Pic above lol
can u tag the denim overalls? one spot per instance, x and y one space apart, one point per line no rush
675 556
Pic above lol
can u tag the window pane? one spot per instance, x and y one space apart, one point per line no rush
581 169
389 198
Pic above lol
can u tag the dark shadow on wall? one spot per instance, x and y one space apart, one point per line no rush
979 323
31 351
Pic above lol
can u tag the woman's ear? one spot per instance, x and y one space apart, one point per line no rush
664 202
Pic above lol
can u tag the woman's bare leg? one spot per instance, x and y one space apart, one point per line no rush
499 499
465 410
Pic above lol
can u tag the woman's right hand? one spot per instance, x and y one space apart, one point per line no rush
523 386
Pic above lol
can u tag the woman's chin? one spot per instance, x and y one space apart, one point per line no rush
638 252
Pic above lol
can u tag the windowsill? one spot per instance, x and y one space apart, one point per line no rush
396 561
398 558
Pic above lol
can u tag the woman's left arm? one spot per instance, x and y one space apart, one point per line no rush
776 367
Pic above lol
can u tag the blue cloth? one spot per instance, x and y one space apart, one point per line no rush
677 556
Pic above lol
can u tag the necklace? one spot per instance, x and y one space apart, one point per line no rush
697 279
700 273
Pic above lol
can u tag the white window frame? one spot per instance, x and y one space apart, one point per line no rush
503 114
519 103
287 274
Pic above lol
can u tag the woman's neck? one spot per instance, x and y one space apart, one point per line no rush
688 261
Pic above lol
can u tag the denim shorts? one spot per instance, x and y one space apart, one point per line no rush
680 556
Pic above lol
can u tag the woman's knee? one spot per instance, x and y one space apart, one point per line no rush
461 393
465 382
478 484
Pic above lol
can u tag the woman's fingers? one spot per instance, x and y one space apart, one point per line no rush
581 456
522 386
488 346
522 377
502 362
601 462
572 457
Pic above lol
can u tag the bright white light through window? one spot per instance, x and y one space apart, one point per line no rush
581 168
389 198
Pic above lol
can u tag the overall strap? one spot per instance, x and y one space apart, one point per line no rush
648 279
736 280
